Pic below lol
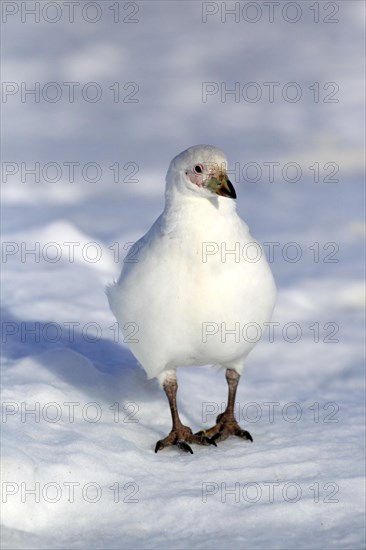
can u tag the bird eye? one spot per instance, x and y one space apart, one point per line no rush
198 169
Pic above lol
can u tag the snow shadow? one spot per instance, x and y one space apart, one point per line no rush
102 369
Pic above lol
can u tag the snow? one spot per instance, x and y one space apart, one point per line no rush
87 450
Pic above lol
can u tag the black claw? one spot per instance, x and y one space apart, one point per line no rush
244 434
184 446
215 437
204 439
158 446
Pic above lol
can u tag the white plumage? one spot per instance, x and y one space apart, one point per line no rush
194 276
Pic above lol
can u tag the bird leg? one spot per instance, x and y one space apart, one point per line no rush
226 423
180 435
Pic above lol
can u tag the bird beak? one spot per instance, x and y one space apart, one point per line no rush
221 185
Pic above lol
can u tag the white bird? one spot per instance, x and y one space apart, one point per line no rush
197 288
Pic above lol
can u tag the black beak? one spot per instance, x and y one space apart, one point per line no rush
227 190
232 193
221 185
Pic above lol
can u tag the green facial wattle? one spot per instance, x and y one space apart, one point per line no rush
222 186
214 184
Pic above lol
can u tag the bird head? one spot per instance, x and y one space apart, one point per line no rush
201 169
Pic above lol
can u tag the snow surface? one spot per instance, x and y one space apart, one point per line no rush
300 484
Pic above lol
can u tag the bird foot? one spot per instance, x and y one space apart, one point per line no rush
182 436
226 425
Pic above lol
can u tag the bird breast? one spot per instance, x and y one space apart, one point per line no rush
193 279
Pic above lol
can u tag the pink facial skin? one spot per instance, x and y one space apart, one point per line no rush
200 173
